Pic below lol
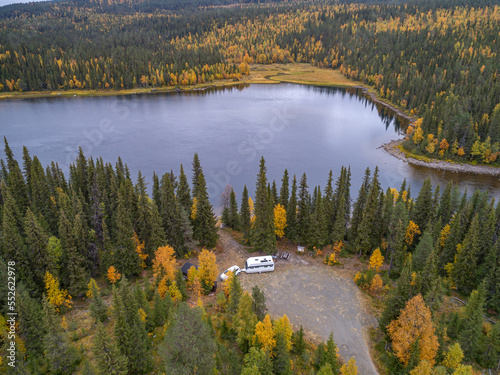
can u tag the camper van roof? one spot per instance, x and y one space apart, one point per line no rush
266 258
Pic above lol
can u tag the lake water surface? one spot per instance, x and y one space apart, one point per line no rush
304 129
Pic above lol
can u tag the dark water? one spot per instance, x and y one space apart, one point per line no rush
301 128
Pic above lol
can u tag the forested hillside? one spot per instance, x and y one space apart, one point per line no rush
438 60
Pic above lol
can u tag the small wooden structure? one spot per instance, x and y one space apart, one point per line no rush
301 249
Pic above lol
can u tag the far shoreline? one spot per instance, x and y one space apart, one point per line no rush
298 73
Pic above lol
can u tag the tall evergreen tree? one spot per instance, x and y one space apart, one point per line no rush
493 277
291 213
284 193
397 230
245 214
234 217
368 235
36 246
465 267
263 238
471 334
196 172
422 210
303 211
205 230
108 358
183 191
359 206
171 216
281 360
15 180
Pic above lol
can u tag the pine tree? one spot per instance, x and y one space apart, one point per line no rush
108 358
291 213
30 316
331 354
205 230
245 214
318 235
259 360
284 194
493 277
274 193
160 309
196 168
263 238
235 292
423 250
397 230
298 342
340 227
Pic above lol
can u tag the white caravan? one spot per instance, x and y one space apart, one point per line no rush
259 264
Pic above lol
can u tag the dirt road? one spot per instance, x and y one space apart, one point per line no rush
313 295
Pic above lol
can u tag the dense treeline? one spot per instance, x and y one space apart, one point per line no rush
438 60
63 233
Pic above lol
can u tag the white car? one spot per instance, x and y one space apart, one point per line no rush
234 269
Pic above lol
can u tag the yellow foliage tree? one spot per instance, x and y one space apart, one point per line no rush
113 275
139 249
91 285
193 282
445 233
207 270
423 368
264 334
376 260
142 315
454 356
174 292
283 326
194 209
55 296
350 368
411 231
464 370
279 220
163 287
414 323
376 284
165 264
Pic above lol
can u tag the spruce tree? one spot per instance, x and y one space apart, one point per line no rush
15 180
38 257
298 342
423 250
281 360
30 316
235 292
303 211
291 213
318 235
108 358
263 236
245 321
259 302
125 257
397 230
465 266
205 230
196 169
331 354
184 192
98 309
367 234
493 277
359 206
171 216
160 312
422 210
284 193
471 335
340 227
245 214
274 193
234 217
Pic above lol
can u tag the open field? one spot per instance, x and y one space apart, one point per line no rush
312 295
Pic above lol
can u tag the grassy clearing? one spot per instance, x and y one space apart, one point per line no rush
298 73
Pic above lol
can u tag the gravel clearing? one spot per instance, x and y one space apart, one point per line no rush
313 295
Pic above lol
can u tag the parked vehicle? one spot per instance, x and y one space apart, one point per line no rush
259 264
234 269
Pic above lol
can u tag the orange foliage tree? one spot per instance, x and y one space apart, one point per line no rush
164 264
414 323
376 260
113 275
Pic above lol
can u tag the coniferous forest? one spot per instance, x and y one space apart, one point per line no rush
437 59
96 253
96 239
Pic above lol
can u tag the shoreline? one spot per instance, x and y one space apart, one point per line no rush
392 149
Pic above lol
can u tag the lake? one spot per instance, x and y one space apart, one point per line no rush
302 128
